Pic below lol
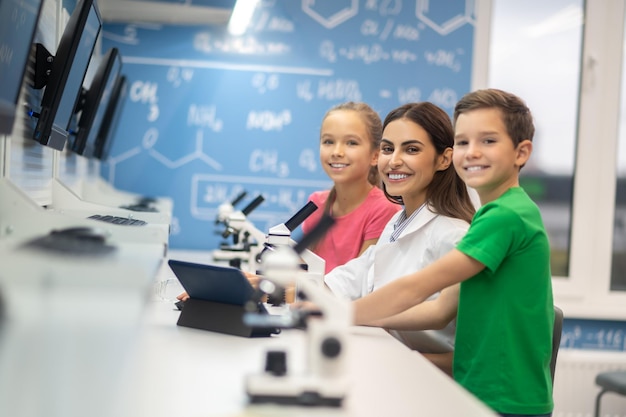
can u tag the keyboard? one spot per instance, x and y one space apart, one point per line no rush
125 221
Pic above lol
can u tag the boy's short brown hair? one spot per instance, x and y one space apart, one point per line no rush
516 115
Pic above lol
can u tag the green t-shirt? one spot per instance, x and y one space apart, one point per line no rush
506 312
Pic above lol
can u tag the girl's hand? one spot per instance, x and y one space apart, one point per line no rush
253 278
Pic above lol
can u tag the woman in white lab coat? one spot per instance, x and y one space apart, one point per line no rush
416 170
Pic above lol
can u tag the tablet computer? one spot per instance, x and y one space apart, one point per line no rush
219 297
220 284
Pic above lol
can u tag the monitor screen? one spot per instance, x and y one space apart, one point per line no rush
110 120
68 72
18 22
94 102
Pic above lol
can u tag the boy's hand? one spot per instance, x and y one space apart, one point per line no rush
308 307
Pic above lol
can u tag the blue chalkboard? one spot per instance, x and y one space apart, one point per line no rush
209 115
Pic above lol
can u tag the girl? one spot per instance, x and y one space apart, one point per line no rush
349 145
415 163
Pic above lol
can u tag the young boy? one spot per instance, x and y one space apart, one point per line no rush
505 314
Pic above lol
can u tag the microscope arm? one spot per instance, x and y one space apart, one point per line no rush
242 226
334 309
282 267
238 223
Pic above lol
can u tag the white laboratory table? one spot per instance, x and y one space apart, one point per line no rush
69 349
22 218
66 323
99 191
66 200
188 372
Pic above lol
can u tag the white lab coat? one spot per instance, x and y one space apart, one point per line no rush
427 238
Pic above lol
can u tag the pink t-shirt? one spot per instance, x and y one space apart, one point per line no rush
344 240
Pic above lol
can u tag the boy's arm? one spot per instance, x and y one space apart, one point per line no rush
429 315
412 289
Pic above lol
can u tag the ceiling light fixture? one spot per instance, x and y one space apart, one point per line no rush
241 16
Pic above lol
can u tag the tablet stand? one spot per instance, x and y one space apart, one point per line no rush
219 317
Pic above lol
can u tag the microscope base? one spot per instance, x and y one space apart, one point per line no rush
295 390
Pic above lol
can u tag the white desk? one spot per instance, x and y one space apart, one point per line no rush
188 372
97 190
103 360
21 218
65 199
68 323
67 203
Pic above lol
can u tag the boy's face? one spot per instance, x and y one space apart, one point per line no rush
484 155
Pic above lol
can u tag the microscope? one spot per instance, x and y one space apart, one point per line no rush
227 208
324 380
313 267
247 239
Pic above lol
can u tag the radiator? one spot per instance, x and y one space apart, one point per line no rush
574 383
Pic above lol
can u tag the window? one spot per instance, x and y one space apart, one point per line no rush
565 58
535 52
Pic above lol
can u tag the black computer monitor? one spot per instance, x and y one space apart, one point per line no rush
18 23
111 118
65 81
94 102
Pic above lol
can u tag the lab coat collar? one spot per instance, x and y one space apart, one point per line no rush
424 217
